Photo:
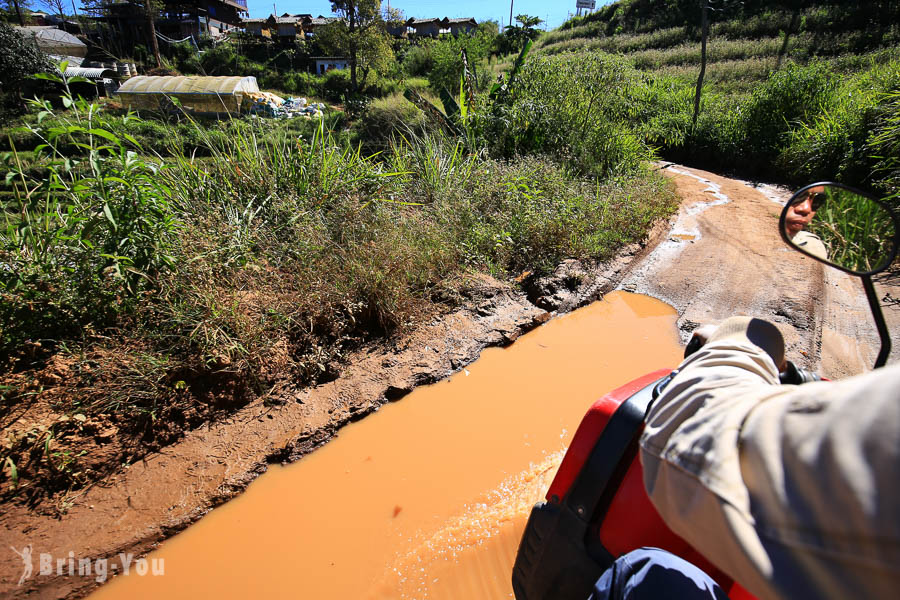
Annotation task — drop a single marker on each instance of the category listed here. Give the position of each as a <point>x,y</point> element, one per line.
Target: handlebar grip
<point>794,375</point>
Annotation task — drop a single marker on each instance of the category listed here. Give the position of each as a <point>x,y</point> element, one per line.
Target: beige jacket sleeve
<point>794,491</point>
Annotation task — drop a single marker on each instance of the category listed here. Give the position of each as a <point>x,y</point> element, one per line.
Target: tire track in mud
<point>724,256</point>
<point>732,261</point>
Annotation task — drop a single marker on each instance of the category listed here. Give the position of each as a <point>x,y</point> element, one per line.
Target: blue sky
<point>554,13</point>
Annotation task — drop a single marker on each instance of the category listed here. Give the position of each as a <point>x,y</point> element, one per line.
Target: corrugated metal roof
<point>90,73</point>
<point>415,22</point>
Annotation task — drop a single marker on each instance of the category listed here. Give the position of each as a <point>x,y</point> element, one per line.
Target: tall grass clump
<point>885,145</point>
<point>840,142</point>
<point>86,239</point>
<point>388,118</point>
<point>749,133</point>
<point>592,110</point>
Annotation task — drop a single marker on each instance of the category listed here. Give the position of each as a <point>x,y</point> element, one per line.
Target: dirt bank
<point>720,256</point>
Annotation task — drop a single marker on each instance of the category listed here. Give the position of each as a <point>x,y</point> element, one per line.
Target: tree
<point>57,7</point>
<point>148,9</point>
<point>20,58</point>
<point>151,9</point>
<point>515,36</point>
<point>16,6</point>
<point>359,33</point>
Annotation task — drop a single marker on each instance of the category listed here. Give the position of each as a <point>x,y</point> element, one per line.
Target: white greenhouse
<point>194,93</point>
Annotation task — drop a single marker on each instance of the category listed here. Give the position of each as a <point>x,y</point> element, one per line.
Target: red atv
<point>597,508</point>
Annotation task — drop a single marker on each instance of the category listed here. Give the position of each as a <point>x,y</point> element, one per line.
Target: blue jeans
<point>650,573</point>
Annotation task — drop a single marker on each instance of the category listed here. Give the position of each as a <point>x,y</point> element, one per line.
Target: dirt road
<point>724,256</point>
<point>720,256</point>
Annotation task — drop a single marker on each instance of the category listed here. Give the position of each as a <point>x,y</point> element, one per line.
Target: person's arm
<point>792,491</point>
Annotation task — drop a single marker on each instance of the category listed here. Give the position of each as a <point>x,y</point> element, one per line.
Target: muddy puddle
<point>426,498</point>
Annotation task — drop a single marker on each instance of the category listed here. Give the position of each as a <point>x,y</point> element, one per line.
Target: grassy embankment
<point>148,287</point>
<point>787,96</point>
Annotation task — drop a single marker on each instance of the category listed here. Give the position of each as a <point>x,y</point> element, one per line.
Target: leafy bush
<point>20,58</point>
<point>447,59</point>
<point>418,61</point>
<point>336,85</point>
<point>792,96</point>
<point>592,110</point>
<point>750,133</point>
<point>186,58</point>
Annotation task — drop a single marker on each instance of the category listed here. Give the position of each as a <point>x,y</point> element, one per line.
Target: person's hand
<point>699,338</point>
<point>756,331</point>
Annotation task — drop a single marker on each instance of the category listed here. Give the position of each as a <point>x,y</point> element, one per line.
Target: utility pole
<point>510,12</point>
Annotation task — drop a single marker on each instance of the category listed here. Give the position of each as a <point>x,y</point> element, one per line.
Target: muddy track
<point>720,256</point>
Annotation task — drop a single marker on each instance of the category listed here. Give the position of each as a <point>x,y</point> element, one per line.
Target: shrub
<point>792,96</point>
<point>386,118</point>
<point>592,110</point>
<point>418,61</point>
<point>448,64</point>
<point>336,85</point>
<point>84,241</point>
<point>20,58</point>
<point>186,58</point>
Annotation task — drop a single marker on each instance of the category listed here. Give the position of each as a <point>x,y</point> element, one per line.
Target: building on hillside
<point>462,26</point>
<point>428,27</point>
<point>176,20</point>
<point>323,64</point>
<point>398,29</point>
<point>288,26</point>
<point>36,19</point>
<point>258,27</point>
<point>316,23</point>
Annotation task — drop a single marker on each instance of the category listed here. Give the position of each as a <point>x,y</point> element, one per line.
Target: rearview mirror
<point>842,227</point>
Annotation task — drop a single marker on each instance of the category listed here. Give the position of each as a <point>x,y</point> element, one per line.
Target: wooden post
<point>705,24</point>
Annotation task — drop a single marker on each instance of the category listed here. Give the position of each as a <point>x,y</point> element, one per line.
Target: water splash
<point>472,554</point>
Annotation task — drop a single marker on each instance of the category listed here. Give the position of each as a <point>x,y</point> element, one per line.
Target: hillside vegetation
<point>793,90</point>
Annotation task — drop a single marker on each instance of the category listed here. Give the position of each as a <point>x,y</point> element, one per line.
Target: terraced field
<point>741,52</point>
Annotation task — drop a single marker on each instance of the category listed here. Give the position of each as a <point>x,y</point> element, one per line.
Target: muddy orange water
<point>428,497</point>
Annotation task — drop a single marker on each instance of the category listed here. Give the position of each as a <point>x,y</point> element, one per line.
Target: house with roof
<point>176,19</point>
<point>462,26</point>
<point>428,27</point>
<point>317,23</point>
<point>287,27</point>
<point>323,64</point>
<point>258,27</point>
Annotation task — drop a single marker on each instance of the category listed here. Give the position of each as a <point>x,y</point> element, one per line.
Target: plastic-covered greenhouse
<point>195,93</point>
<point>55,41</point>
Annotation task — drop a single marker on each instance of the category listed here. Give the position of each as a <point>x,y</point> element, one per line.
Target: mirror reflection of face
<point>801,212</point>
<point>841,227</point>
